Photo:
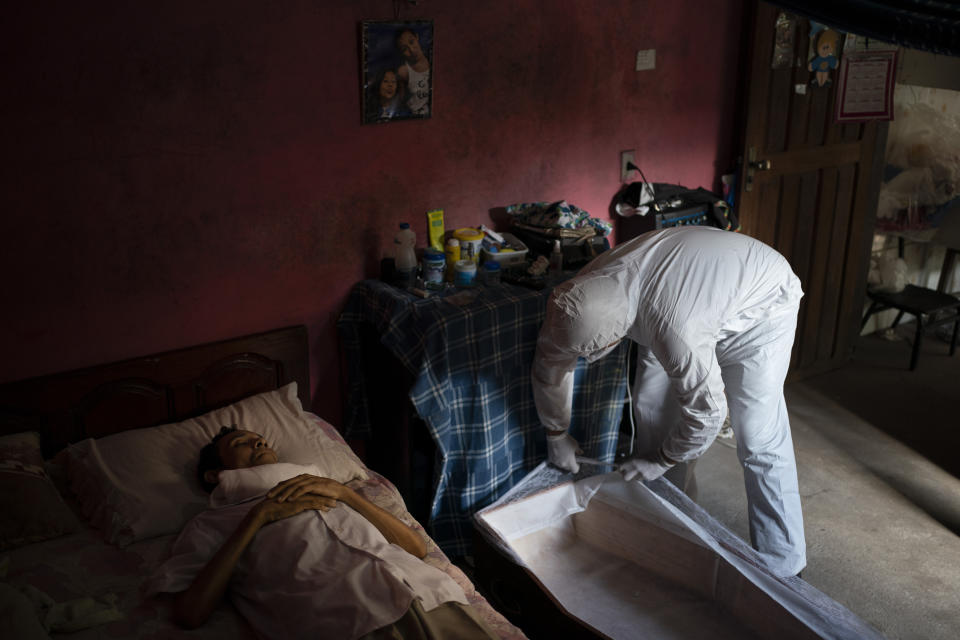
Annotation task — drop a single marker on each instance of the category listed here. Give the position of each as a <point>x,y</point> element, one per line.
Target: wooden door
<point>816,203</point>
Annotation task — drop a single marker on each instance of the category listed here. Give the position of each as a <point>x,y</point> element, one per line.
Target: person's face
<point>388,86</point>
<point>409,46</point>
<point>242,449</point>
<point>826,47</point>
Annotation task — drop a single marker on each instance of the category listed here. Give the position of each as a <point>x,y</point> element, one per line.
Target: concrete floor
<point>881,519</point>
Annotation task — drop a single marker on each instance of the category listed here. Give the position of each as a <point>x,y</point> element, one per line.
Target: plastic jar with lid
<point>491,272</point>
<point>470,242</point>
<point>433,268</point>
<point>464,273</point>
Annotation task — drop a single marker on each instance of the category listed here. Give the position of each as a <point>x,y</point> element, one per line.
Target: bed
<point>96,479</point>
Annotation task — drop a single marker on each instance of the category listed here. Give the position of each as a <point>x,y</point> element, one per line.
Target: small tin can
<point>433,267</point>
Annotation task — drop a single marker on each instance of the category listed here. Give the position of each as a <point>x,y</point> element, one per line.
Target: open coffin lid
<point>636,561</point>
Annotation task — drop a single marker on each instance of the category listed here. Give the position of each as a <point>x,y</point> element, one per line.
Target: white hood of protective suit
<point>677,291</point>
<point>588,316</point>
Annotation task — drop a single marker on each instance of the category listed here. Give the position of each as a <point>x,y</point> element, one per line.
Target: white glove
<point>562,452</point>
<point>646,469</point>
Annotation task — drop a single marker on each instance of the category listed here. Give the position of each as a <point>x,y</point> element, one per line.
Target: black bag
<point>676,205</point>
<point>579,246</point>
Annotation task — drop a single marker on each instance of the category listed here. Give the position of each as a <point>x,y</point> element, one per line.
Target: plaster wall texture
<point>180,172</point>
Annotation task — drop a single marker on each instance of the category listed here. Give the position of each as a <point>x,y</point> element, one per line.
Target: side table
<point>467,359</point>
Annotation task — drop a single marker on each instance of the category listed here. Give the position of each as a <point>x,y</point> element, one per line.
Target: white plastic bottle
<point>556,258</point>
<point>405,258</point>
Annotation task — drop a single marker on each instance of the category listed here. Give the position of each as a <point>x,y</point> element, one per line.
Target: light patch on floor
<point>871,509</point>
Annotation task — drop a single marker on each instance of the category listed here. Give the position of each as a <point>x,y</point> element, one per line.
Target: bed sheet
<point>82,565</point>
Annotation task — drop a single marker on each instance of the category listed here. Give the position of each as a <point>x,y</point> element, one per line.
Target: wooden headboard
<point>156,389</point>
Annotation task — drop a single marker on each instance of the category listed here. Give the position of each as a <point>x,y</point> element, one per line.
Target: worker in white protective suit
<point>713,314</point>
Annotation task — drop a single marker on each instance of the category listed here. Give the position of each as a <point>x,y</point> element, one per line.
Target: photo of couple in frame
<point>396,67</point>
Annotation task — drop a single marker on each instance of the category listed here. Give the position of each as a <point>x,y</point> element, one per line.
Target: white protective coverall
<point>713,314</point>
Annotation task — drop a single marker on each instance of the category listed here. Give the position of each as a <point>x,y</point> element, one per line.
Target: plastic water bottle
<point>404,255</point>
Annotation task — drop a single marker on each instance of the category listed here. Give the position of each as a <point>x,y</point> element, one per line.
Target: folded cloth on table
<point>560,214</point>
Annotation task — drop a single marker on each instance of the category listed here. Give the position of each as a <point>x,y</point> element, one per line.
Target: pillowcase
<point>30,503</point>
<point>143,483</point>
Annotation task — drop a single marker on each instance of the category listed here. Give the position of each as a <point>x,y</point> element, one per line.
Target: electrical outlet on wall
<point>646,59</point>
<point>625,157</point>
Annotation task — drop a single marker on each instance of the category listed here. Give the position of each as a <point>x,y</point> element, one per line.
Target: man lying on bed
<point>304,556</point>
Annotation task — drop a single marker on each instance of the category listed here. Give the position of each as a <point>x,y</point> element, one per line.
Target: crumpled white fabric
<point>888,273</point>
<point>646,469</point>
<point>239,485</point>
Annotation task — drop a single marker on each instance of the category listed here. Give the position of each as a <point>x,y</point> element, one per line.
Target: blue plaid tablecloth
<point>470,355</point>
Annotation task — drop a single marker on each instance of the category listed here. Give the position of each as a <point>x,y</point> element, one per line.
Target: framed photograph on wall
<point>397,59</point>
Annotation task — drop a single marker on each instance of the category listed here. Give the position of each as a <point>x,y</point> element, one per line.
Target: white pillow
<point>143,483</point>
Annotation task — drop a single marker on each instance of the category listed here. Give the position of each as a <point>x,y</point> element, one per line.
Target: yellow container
<point>453,255</point>
<point>471,240</point>
<point>435,229</point>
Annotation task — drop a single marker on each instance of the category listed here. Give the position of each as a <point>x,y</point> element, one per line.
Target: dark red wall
<point>178,172</point>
